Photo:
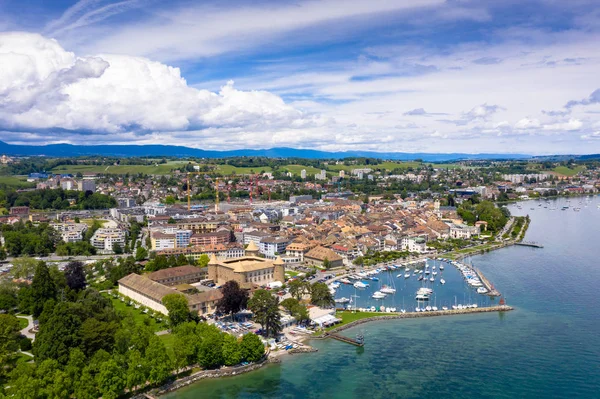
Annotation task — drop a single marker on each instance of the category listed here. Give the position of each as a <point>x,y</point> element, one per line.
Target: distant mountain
<point>68,150</point>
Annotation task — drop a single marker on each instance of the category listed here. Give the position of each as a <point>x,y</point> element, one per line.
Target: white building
<point>463,231</point>
<point>414,244</point>
<point>86,185</point>
<point>271,247</point>
<point>303,173</point>
<point>70,232</point>
<point>105,238</point>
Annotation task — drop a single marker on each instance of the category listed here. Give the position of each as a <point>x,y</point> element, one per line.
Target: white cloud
<point>42,86</point>
<point>571,125</point>
<point>591,136</point>
<point>527,123</point>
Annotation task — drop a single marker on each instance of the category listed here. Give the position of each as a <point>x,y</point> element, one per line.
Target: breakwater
<point>222,372</point>
<point>414,315</point>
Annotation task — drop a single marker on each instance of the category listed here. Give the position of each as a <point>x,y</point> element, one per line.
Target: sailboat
<point>442,281</point>
<point>402,310</point>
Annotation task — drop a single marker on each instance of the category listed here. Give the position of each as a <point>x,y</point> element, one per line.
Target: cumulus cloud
<point>482,112</point>
<point>42,86</point>
<point>591,136</point>
<point>527,123</point>
<point>571,125</point>
<point>593,98</point>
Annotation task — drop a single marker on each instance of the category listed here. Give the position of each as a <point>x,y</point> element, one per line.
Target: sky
<point>472,76</point>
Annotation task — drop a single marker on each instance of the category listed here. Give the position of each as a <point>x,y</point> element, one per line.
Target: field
<point>16,181</point>
<point>138,315</point>
<point>23,322</point>
<point>157,169</point>
<point>565,171</point>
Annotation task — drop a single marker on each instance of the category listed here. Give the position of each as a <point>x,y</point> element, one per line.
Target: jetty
<point>413,315</point>
<point>359,341</point>
<point>529,244</point>
<point>487,284</point>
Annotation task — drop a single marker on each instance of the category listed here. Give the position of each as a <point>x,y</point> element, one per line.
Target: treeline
<point>55,199</point>
<point>29,239</point>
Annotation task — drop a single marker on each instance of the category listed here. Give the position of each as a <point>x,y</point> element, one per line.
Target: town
<point>247,252</point>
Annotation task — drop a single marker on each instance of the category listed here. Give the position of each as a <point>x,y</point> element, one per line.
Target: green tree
<point>298,288</point>
<point>177,305</point>
<point>326,263</point>
<point>290,304</point>
<point>232,352</point>
<point>43,288</point>
<point>265,307</point>
<point>210,346</point>
<point>320,295</point>
<point>117,248</point>
<point>140,254</point>
<point>185,347</point>
<point>23,267</point>
<point>158,361</point>
<point>111,380</point>
<point>252,348</point>
<point>137,370</point>
<point>203,260</point>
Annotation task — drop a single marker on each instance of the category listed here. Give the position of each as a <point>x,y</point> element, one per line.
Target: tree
<point>23,267</point>
<point>251,348</point>
<point>326,263</point>
<point>8,296</point>
<point>290,304</point>
<point>137,370</point>
<point>185,348</point>
<point>266,311</point>
<point>117,249</point>
<point>75,275</point>
<point>9,334</point>
<point>3,253</point>
<point>298,288</point>
<point>203,260</point>
<point>157,360</point>
<point>140,254</point>
<point>111,380</point>
<point>232,353</point>
<point>234,298</point>
<point>42,287</point>
<point>177,305</point>
<point>320,295</point>
<point>210,346</point>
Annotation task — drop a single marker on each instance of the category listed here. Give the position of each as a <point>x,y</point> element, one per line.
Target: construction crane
<point>189,196</point>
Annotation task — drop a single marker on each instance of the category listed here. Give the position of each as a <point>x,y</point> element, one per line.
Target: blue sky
<point>404,75</point>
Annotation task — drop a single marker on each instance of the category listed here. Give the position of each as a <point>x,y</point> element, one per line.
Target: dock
<point>529,244</point>
<point>486,283</point>
<point>356,342</point>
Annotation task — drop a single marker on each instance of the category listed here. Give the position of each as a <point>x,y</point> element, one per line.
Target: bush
<point>24,343</point>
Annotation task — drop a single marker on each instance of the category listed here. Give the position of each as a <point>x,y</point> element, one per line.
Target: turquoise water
<point>549,347</point>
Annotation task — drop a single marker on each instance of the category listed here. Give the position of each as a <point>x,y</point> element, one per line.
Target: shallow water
<point>549,347</point>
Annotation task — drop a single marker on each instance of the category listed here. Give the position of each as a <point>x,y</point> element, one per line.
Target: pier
<point>348,340</point>
<point>414,315</point>
<point>529,244</point>
<point>488,286</point>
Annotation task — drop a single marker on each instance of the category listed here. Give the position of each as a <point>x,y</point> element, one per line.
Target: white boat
<point>335,285</point>
<point>434,308</point>
<point>441,267</point>
<point>428,308</point>
<point>378,295</point>
<point>482,290</point>
<point>360,284</point>
<point>444,307</point>
<point>422,297</point>
<point>388,290</point>
<point>342,300</point>
<point>345,281</point>
<point>442,281</point>
<point>434,273</point>
<point>432,279</point>
<point>406,275</point>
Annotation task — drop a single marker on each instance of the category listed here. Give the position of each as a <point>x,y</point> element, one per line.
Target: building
<point>70,232</point>
<point>294,199</point>
<point>303,173</point>
<point>182,238</point>
<point>19,210</point>
<point>414,244</point>
<point>463,231</point>
<point>67,184</point>
<point>317,256</point>
<point>162,241</point>
<point>245,270</point>
<point>104,239</point>
<point>87,185</point>
<point>218,237</point>
<point>178,275</point>
<point>273,246</point>
<point>149,293</point>
<point>126,202</point>
<point>297,251</point>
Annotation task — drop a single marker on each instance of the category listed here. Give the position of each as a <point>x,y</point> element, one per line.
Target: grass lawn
<point>169,341</point>
<point>230,170</point>
<point>565,171</point>
<point>138,315</point>
<point>23,358</point>
<point>89,222</point>
<point>23,322</point>
<point>349,317</point>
